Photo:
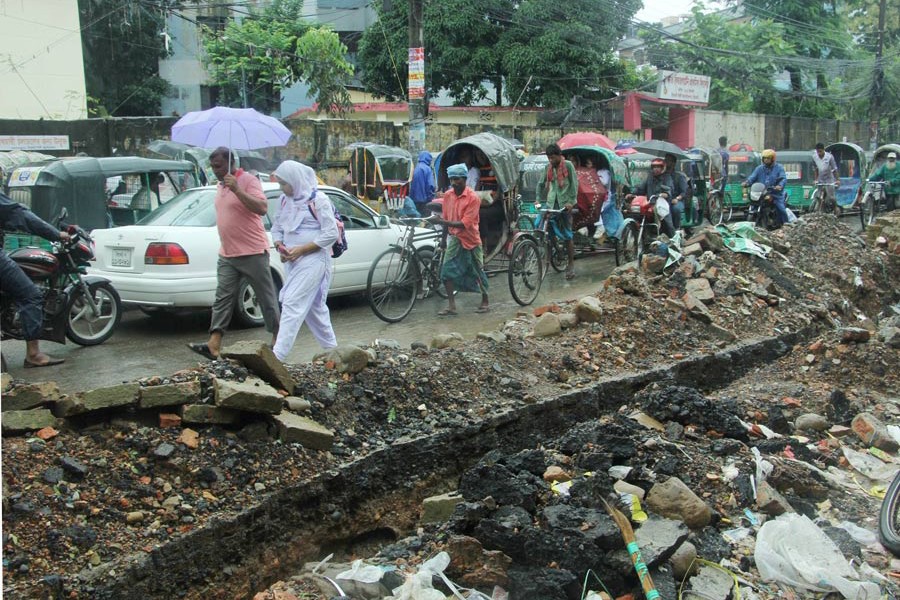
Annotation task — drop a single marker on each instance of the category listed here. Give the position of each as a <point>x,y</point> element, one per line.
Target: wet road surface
<point>145,346</point>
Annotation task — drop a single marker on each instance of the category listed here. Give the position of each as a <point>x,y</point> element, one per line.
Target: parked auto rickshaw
<point>377,170</point>
<point>740,167</point>
<point>702,167</point>
<point>852,170</point>
<point>801,181</point>
<point>99,193</point>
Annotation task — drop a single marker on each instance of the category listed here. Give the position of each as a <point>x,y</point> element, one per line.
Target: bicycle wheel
<point>714,208</point>
<point>865,207</point>
<point>393,285</point>
<point>431,260</point>
<point>525,272</point>
<point>629,243</point>
<point>559,253</point>
<point>889,519</point>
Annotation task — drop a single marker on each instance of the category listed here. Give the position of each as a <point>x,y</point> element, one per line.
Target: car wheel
<point>247,309</point>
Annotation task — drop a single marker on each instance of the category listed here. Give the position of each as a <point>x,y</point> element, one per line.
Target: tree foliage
<point>122,45</point>
<point>539,52</point>
<point>272,50</point>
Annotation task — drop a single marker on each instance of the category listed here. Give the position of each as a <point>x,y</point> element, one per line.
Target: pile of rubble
<point>212,441</point>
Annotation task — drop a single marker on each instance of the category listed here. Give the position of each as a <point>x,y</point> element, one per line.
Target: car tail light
<point>162,253</point>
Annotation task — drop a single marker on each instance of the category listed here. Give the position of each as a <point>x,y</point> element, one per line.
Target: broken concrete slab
<point>30,395</point>
<point>711,583</point>
<point>250,395</point>
<point>658,539</point>
<point>18,421</point>
<point>770,501</point>
<point>700,289</point>
<point>696,308</point>
<point>110,397</point>
<point>259,358</point>
<point>295,429</point>
<point>439,508</point>
<point>209,415</point>
<point>169,394</point>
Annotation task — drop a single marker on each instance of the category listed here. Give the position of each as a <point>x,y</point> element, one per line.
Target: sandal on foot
<point>483,309</point>
<point>203,350</point>
<point>446,313</point>
<point>50,362</point>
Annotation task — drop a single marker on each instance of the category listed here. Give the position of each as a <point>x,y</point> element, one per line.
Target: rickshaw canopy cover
<point>617,165</point>
<point>499,151</point>
<point>585,138</point>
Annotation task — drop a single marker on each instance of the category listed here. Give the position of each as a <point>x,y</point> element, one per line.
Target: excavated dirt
<point>80,503</point>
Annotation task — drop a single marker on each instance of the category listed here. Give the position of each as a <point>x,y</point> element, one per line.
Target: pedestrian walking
<point>244,252</point>
<point>304,231</point>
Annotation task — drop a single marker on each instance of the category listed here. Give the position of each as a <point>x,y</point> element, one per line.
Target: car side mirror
<point>384,221</point>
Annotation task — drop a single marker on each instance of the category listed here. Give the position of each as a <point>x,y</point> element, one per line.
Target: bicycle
<point>407,271</point>
<point>719,207</point>
<point>889,517</point>
<point>821,202</point>
<point>874,200</point>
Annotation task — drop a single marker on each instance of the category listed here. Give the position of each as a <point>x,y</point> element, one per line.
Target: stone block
<point>167,420</point>
<point>17,421</point>
<point>5,382</point>
<point>547,325</point>
<point>439,508</point>
<point>447,340</point>
<point>700,289</point>
<point>770,501</point>
<point>696,308</point>
<point>294,429</point>
<point>297,405</point>
<point>110,397</point>
<point>873,432</point>
<point>568,320</point>
<point>589,310</point>
<point>27,396</point>
<point>692,250</point>
<point>351,359</point>
<point>674,500</point>
<point>170,394</point>
<point>251,395</point>
<point>67,406</point>
<point>259,358</point>
<point>855,334</point>
<point>653,264</point>
<point>209,415</point>
<point>890,336</point>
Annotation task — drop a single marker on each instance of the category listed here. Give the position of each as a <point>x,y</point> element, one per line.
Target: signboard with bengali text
<point>416,82</point>
<point>683,86</point>
<point>34,142</point>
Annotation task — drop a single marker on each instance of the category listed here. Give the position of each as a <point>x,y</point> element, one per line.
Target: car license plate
<point>121,257</point>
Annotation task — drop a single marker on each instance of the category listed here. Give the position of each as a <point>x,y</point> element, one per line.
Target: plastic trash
<point>868,465</point>
<point>361,572</point>
<point>793,550</point>
<point>792,216</point>
<point>418,585</point>
<point>662,208</point>
<point>860,534</point>
<point>733,536</point>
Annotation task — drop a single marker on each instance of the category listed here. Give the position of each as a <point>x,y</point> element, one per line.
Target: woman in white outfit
<point>304,231</point>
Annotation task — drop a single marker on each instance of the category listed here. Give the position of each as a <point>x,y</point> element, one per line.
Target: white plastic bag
<point>793,550</point>
<point>790,214</point>
<point>361,572</point>
<point>418,585</point>
<point>662,207</point>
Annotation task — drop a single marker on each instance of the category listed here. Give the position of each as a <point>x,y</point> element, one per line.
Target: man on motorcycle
<point>658,183</point>
<point>680,190</point>
<point>772,175</point>
<point>14,281</point>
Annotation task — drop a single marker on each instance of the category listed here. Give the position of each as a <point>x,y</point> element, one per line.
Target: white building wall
<point>183,68</point>
<point>709,125</point>
<point>41,65</point>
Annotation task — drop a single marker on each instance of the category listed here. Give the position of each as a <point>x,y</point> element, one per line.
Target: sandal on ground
<point>203,350</point>
<point>50,362</point>
<point>446,313</point>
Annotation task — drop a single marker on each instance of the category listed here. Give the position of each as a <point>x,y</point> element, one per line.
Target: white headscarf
<point>301,178</point>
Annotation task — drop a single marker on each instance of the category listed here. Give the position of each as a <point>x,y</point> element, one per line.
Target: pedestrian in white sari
<point>304,231</point>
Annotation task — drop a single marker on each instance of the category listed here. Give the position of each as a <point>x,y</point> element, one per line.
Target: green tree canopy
<point>563,49</point>
<point>272,50</point>
<point>122,45</point>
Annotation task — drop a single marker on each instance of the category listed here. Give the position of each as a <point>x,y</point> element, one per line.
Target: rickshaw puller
<point>560,191</point>
<point>889,173</point>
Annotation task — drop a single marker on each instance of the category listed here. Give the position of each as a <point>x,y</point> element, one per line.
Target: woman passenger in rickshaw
<point>591,194</point>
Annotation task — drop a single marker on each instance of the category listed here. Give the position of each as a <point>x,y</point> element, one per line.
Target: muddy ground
<point>84,498</point>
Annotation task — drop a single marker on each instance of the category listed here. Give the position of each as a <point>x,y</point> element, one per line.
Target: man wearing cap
<point>826,171</point>
<point>772,175</point>
<point>463,268</point>
<point>890,174</point>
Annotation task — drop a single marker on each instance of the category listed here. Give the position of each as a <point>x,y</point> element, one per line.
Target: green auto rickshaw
<point>97,193</point>
<point>740,167</point>
<point>801,180</point>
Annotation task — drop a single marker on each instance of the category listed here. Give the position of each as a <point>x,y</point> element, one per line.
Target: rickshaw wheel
<point>628,245</point>
<point>525,271</point>
<point>714,208</point>
<point>559,254</point>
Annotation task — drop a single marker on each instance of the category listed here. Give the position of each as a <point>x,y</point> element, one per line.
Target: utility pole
<point>416,80</point>
<point>877,81</point>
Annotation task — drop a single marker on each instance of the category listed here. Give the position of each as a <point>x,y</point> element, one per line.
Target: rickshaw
<point>506,247</point>
<point>591,195</point>
<point>740,167</point>
<point>801,182</point>
<point>379,172</point>
<point>99,193</point>
<point>874,198</point>
<point>638,166</point>
<point>852,168</point>
<point>702,168</point>
<point>532,170</point>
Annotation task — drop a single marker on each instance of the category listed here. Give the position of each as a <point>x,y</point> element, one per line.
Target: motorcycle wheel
<point>82,326</point>
<point>629,244</point>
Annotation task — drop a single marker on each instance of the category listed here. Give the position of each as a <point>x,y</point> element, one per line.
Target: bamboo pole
<point>650,591</point>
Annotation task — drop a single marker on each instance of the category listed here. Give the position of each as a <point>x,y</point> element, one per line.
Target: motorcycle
<point>84,308</point>
<point>762,210</point>
<point>642,224</point>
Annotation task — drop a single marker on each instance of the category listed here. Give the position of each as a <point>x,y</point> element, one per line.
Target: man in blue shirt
<point>421,190</point>
<point>723,152</point>
<point>772,175</point>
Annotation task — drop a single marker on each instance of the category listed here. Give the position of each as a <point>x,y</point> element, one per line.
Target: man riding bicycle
<point>826,172</point>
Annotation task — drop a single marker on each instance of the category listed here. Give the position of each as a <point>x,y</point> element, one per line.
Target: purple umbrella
<point>238,128</point>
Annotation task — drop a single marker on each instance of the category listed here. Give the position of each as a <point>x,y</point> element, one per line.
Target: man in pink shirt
<point>463,268</point>
<point>244,254</point>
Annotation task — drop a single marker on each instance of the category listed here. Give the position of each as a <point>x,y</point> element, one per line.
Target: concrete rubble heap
<point>710,401</point>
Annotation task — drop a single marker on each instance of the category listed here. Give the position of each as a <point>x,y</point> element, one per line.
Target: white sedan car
<point>168,259</point>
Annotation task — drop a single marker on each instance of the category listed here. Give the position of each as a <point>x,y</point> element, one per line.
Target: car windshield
<point>193,208</point>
